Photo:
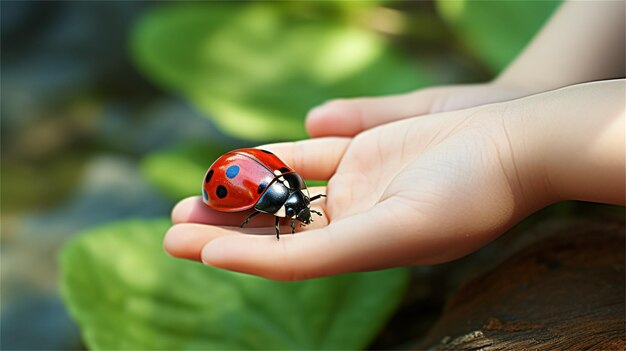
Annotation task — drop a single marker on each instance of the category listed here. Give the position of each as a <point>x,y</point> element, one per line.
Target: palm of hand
<point>416,179</point>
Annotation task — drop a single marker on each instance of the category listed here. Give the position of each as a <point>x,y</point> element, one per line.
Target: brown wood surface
<point>562,288</point>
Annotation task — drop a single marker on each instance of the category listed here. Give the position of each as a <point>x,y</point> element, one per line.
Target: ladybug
<point>253,178</point>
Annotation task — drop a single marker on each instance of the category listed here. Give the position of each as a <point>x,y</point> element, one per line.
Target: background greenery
<point>111,112</point>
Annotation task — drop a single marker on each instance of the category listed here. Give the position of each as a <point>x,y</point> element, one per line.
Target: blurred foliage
<point>258,68</point>
<point>495,31</point>
<point>173,173</point>
<point>38,194</point>
<point>178,172</point>
<point>126,293</point>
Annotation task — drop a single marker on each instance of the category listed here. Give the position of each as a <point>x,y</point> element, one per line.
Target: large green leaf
<point>256,68</point>
<point>126,293</point>
<point>496,31</point>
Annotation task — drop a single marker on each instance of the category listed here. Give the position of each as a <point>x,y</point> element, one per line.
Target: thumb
<point>348,117</point>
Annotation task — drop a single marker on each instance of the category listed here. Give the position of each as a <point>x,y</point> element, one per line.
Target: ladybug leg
<point>277,228</point>
<point>248,219</point>
<point>293,226</point>
<point>317,197</point>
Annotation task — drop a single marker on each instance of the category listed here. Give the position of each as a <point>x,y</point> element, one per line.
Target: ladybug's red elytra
<point>253,178</point>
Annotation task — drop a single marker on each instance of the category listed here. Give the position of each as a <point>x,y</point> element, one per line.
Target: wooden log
<point>564,290</point>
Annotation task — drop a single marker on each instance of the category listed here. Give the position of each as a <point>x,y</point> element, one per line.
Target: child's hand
<point>348,117</point>
<point>549,62</point>
<point>427,189</point>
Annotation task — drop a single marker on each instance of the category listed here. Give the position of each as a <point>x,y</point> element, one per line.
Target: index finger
<point>315,159</point>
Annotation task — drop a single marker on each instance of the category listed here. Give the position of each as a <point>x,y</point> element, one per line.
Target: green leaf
<point>496,31</point>
<point>257,68</point>
<point>126,293</point>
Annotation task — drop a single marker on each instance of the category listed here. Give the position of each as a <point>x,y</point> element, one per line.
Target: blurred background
<point>112,111</point>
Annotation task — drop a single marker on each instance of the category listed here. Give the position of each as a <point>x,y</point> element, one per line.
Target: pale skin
<point>433,175</point>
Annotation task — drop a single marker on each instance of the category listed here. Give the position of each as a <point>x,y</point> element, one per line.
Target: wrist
<point>520,155</point>
<point>574,139</point>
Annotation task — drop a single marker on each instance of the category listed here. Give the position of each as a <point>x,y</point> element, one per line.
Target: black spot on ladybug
<point>232,171</point>
<point>267,152</point>
<point>221,191</point>
<point>208,176</point>
<point>205,196</point>
<point>262,187</point>
<point>284,170</point>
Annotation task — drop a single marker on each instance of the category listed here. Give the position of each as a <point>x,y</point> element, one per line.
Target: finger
<point>187,240</point>
<point>348,117</point>
<point>372,240</point>
<point>313,158</point>
<point>193,210</point>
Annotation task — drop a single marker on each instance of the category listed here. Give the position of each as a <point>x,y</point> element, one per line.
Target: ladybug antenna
<point>317,213</point>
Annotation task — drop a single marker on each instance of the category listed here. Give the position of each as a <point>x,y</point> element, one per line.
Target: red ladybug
<point>255,178</point>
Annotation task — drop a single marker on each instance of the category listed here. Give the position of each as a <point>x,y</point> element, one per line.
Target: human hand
<point>348,117</point>
<point>425,190</point>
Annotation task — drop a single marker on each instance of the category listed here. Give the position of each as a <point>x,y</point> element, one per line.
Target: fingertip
<point>333,118</point>
<point>210,256</point>
<point>188,240</point>
<point>175,243</point>
<point>243,255</point>
<point>184,208</point>
<point>221,253</point>
<point>314,122</point>
<point>348,117</point>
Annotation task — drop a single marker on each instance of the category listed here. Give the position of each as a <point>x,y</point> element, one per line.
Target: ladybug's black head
<point>304,216</point>
<point>297,206</point>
